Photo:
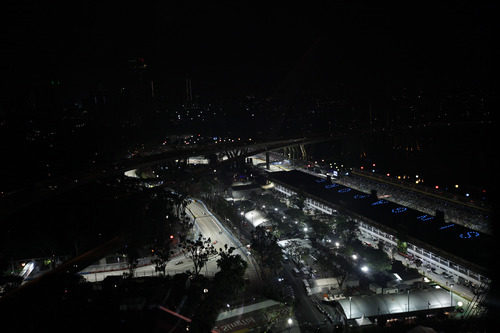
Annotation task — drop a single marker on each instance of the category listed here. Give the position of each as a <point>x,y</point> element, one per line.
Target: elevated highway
<point>24,197</point>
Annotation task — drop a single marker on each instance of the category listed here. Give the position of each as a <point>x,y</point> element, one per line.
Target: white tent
<point>326,283</point>
<point>363,321</point>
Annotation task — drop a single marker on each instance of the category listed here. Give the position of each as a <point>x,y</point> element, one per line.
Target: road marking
<point>201,216</point>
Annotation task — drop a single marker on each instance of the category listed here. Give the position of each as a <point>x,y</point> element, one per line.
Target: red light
<point>484,191</point>
<point>437,187</point>
<point>373,164</point>
<point>171,236</point>
<point>362,167</point>
<point>388,175</point>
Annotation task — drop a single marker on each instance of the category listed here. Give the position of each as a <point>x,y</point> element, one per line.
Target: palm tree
<point>180,202</point>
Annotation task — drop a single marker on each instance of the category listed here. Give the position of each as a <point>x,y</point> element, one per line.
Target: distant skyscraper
<point>189,92</point>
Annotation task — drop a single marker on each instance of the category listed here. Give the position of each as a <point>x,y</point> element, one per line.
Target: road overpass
<point>24,197</point>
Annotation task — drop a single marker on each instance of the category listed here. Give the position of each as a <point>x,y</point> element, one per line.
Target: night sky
<point>254,46</point>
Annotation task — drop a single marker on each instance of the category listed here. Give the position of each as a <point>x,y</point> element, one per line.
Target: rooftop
<point>251,317</point>
<point>454,239</point>
<point>395,303</point>
<point>404,272</point>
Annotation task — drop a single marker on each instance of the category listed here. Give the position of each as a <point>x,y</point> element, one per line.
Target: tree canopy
<point>232,270</point>
<point>266,246</point>
<point>199,251</point>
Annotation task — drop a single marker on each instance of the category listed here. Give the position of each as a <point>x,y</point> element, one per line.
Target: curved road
<point>210,227</point>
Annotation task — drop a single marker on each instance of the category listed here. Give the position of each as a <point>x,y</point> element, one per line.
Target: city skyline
<point>302,167</point>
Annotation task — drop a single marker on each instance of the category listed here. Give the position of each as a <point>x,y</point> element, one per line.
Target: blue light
<point>470,234</point>
<point>447,226</point>
<point>398,210</point>
<point>425,217</point>
<point>380,202</point>
<point>344,190</point>
<point>360,196</point>
<point>319,180</point>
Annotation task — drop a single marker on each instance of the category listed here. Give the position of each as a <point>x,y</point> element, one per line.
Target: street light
<point>364,269</point>
<point>408,300</point>
<point>350,298</point>
<point>290,322</point>
<point>451,295</point>
<point>354,257</point>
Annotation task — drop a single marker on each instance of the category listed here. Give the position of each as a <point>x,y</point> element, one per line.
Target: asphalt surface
<point>210,227</point>
<point>306,311</point>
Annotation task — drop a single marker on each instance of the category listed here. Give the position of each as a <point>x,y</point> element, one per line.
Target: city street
<point>305,309</point>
